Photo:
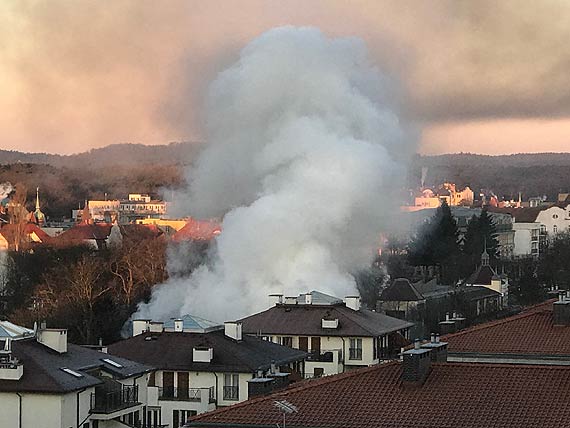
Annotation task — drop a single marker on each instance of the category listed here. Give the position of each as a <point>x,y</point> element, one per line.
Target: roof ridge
<point>489,324</point>
<point>306,384</point>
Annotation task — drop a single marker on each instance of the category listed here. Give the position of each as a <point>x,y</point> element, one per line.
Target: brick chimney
<point>561,310</point>
<point>447,326</point>
<point>438,349</point>
<point>416,365</point>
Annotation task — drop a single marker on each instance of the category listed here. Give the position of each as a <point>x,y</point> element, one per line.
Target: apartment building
<point>339,335</point>
<point>46,382</point>
<point>202,365</point>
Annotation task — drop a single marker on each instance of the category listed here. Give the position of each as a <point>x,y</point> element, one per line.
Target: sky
<point>477,76</point>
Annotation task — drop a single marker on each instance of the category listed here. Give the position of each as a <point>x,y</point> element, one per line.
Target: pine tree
<point>436,244</point>
<point>481,234</point>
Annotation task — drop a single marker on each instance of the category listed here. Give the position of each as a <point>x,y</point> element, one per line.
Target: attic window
<point>112,363</point>
<point>71,372</point>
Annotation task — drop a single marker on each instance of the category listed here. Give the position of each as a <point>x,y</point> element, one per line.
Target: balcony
<point>231,393</point>
<point>187,394</point>
<point>325,356</point>
<point>105,401</point>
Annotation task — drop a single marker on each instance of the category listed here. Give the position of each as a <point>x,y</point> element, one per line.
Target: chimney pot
<point>417,344</point>
<point>433,338</point>
<point>447,316</point>
<point>437,338</point>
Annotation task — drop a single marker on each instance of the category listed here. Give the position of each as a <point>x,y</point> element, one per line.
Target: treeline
<point>112,155</point>
<point>531,174</point>
<point>91,293</point>
<point>63,189</point>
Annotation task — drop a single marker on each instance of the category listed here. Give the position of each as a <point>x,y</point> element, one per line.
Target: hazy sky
<point>480,75</point>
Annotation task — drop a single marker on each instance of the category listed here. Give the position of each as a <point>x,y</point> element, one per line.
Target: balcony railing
<point>324,356</point>
<point>110,401</point>
<point>186,394</point>
<point>231,393</point>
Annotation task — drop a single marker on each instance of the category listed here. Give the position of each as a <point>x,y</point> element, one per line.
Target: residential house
<point>198,230</point>
<point>44,381</point>
<point>94,235</point>
<point>426,304</point>
<point>555,219</point>
<point>421,391</point>
<point>340,335</point>
<point>485,276</point>
<point>22,237</point>
<point>202,365</point>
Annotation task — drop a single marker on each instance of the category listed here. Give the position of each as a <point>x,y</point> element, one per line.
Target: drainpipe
<point>20,410</point>
<point>216,376</point>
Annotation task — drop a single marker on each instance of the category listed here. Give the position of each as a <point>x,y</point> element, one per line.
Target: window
<point>180,417</point>
<point>555,229</point>
<point>231,387</point>
<point>355,350</point>
<point>71,372</point>
<point>287,341</point>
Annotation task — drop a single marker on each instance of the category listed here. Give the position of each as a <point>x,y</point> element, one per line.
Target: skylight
<point>71,372</point>
<point>112,363</point>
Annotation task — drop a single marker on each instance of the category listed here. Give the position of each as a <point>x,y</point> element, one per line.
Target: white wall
<point>523,237</point>
<point>555,216</point>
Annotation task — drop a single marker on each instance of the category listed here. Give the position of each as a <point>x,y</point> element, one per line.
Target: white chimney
<point>178,325</point>
<point>53,338</point>
<point>275,299</point>
<point>352,302</point>
<point>232,329</point>
<point>155,327</point>
<point>140,326</point>
<point>308,299</point>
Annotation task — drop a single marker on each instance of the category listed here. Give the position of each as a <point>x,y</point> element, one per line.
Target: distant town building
<point>432,198</point>
<point>136,207</point>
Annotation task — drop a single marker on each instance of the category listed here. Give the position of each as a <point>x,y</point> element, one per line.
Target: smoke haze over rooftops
<point>305,143</point>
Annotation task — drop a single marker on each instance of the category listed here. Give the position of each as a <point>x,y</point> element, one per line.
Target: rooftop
<point>43,368</point>
<point>531,332</point>
<point>401,290</point>
<point>306,320</point>
<point>454,395</point>
<point>174,350</point>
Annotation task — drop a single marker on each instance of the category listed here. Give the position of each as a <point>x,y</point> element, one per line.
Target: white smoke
<point>5,190</point>
<point>305,144</point>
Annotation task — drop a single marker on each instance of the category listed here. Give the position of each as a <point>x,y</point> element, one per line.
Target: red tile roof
<point>198,230</point>
<point>8,231</point>
<point>140,231</point>
<point>531,332</point>
<point>82,232</point>
<point>454,395</point>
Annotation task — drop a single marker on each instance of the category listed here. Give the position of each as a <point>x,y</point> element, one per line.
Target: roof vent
<point>178,325</point>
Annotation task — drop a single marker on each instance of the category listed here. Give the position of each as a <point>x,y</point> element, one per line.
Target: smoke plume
<point>5,189</point>
<point>305,144</point>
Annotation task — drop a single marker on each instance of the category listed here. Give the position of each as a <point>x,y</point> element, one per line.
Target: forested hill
<point>113,155</point>
<point>532,174</point>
